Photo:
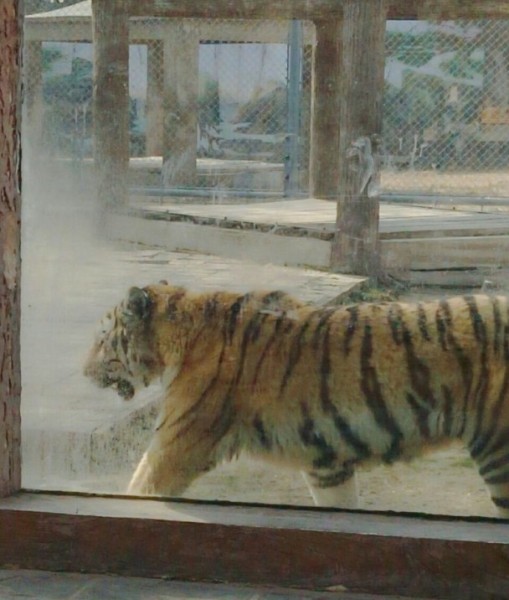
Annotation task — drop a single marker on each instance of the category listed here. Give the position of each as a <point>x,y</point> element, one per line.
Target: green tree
<point>208,104</point>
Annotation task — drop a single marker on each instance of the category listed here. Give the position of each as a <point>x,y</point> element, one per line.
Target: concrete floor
<point>43,585</point>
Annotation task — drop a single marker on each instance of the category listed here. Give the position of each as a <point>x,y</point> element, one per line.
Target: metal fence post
<point>295,41</point>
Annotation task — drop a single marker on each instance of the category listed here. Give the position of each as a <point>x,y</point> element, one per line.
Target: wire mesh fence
<point>243,115</point>
<point>446,109</point>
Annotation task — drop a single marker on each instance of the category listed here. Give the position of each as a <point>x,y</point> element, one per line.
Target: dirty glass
<point>217,196</point>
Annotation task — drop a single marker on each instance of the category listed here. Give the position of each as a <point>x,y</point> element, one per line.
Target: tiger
<point>320,390</point>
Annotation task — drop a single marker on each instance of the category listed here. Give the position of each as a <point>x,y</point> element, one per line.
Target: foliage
<point>50,56</point>
<point>208,103</point>
<point>72,88</point>
<point>414,50</point>
<point>463,65</point>
<point>266,113</point>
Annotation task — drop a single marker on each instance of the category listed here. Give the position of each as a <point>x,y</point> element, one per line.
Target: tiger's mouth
<point>125,389</point>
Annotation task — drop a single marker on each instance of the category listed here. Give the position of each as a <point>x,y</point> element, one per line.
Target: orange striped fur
<point>317,389</point>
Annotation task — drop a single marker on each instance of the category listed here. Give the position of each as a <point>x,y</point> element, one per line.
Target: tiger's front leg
<point>167,470</point>
<point>335,489</point>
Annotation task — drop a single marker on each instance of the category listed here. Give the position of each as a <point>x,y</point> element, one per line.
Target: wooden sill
<point>309,549</point>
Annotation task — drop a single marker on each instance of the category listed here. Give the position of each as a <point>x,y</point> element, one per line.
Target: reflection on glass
<point>256,374</point>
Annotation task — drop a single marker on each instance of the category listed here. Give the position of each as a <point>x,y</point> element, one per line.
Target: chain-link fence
<point>446,111</point>
<point>239,114</point>
<point>242,115</point>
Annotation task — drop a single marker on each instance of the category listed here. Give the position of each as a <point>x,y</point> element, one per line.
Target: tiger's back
<point>322,390</point>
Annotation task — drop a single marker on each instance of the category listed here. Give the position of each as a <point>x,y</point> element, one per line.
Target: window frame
<point>315,549</point>
<point>319,549</point>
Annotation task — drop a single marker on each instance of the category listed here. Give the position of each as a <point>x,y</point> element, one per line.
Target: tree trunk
<point>10,262</point>
<point>111,100</point>
<point>356,243</point>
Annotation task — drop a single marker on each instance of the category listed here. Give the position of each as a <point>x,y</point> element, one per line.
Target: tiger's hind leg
<point>494,469</point>
<point>334,490</point>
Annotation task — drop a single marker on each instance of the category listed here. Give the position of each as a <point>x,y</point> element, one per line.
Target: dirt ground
<point>445,482</point>
<point>442,183</point>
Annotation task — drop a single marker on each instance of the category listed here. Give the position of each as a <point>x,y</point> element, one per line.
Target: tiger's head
<point>123,356</point>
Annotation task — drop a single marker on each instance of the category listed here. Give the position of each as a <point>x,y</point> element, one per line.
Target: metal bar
<point>291,181</point>
<point>206,193</point>
<point>419,198</point>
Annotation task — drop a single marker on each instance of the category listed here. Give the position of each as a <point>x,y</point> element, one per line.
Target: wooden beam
<point>181,49</point>
<point>10,262</point>
<point>318,9</point>
<point>448,9</point>
<point>355,248</point>
<point>325,109</point>
<point>111,100</point>
<point>305,549</point>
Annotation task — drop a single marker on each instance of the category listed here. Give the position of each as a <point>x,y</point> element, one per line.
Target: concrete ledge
<point>457,260</point>
<point>251,245</point>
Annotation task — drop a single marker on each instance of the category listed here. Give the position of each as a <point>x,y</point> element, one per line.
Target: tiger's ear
<point>139,304</point>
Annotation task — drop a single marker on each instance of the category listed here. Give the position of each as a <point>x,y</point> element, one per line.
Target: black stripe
<point>270,342</point>
<point>351,327</point>
<point>124,342</point>
<point>251,334</point>
<point>443,322</point>
<point>395,318</point>
<point>500,502</point>
<point>336,478</point>
<point>497,325</point>
<point>447,411</point>
<point>418,371</point>
<point>114,343</point>
<point>310,437</point>
<point>506,342</point>
<point>422,322</point>
<point>464,362</point>
<point>233,315</point>
<point>483,443</point>
<point>226,415</point>
<point>320,326</point>
<point>489,442</point>
<point>360,448</point>
<point>210,308</point>
<point>480,393</point>
<point>478,324</point>
<point>295,352</point>
<point>494,464</point>
<point>325,368</point>
<point>189,412</point>
<point>261,433</point>
<point>421,414</point>
<point>222,423</point>
<point>374,398</point>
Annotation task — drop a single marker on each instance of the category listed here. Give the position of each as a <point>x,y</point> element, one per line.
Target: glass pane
<point>199,177</point>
